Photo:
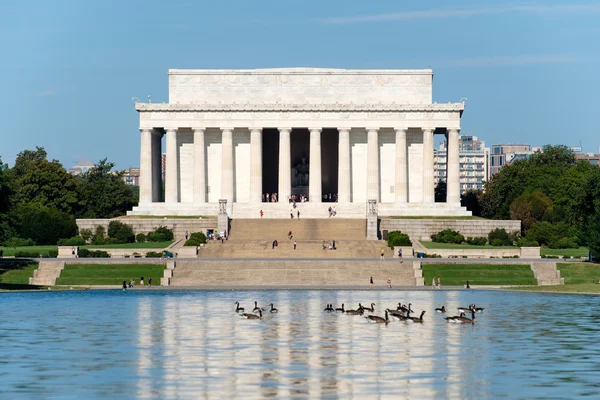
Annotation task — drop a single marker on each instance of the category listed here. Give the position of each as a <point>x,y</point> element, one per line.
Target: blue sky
<point>70,68</point>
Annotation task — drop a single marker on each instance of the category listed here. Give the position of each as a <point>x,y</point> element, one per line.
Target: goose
<point>415,319</point>
<point>404,309</point>
<point>465,309</point>
<point>238,309</point>
<point>378,320</point>
<point>328,308</point>
<point>341,309</point>
<point>359,311</point>
<point>253,316</point>
<point>464,320</point>
<point>273,309</point>
<point>397,314</point>
<point>454,318</point>
<point>477,309</point>
<point>371,309</point>
<point>442,309</point>
<point>257,308</point>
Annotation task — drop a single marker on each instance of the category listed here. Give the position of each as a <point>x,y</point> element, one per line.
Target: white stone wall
<point>358,165</point>
<point>414,143</point>
<point>212,140</point>
<point>387,162</point>
<point>241,165</point>
<point>300,86</point>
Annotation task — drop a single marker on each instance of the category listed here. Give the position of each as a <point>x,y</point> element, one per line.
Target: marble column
<point>199,166</point>
<point>172,168</point>
<point>146,166</point>
<point>157,181</point>
<point>314,168</point>
<point>255,165</point>
<point>227,166</point>
<point>344,182</point>
<point>373,164</point>
<point>285,165</point>
<point>428,182</point>
<point>453,168</point>
<point>401,177</point>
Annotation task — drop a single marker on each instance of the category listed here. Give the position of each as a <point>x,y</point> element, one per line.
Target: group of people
<point>332,211</point>
<point>330,198</point>
<point>300,199</point>
<point>329,245</point>
<point>269,197</point>
<point>439,283</point>
<point>132,283</point>
<point>389,282</point>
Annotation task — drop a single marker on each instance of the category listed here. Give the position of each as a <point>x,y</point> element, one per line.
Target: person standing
<point>371,282</point>
<point>186,235</point>
<point>439,283</point>
<point>382,254</point>
<point>267,197</point>
<point>389,283</point>
<point>142,281</point>
<point>294,245</point>
<point>298,214</point>
<point>291,214</point>
<point>433,282</point>
<point>124,285</point>
<point>400,254</point>
<point>261,213</point>
<point>149,281</point>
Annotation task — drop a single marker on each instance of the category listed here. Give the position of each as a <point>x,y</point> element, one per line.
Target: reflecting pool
<point>191,344</point>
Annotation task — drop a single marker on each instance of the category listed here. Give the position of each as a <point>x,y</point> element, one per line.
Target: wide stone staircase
<point>310,273</point>
<point>302,229</point>
<point>547,274</point>
<point>47,273</point>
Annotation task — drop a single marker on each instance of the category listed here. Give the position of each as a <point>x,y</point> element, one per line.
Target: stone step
<point>47,273</point>
<point>546,273</point>
<point>304,229</point>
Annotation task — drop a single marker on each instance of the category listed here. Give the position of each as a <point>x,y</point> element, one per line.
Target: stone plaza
<point>237,137</point>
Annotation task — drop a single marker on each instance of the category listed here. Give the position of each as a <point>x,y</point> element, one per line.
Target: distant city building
<point>502,154</point>
<point>473,158</point>
<point>131,176</point>
<point>83,166</point>
<point>594,159</point>
<point>576,149</point>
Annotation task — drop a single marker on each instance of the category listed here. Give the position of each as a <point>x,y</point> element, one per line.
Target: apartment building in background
<point>473,159</point>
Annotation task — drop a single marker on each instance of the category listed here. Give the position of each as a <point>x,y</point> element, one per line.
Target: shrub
<point>86,234</point>
<point>120,232</point>
<point>51,254</point>
<point>18,242</point>
<point>524,242</point>
<point>85,253</point>
<point>448,236</point>
<point>564,243</point>
<point>192,242</point>
<point>397,238</point>
<point>44,225</point>
<point>74,241</point>
<point>160,234</point>
<point>99,237</point>
<point>153,254</point>
<point>199,236</point>
<point>478,241</point>
<point>140,238</point>
<point>425,255</point>
<point>499,237</point>
<point>27,254</point>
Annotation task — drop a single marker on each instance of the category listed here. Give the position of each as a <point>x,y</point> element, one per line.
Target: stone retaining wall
<point>145,225</point>
<point>422,229</point>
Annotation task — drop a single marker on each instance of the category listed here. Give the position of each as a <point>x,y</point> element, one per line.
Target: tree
<point>44,225</point>
<point>440,192</point>
<point>530,208</point>
<point>104,193</point>
<point>6,193</point>
<point>593,234</point>
<point>471,200</point>
<point>45,183</point>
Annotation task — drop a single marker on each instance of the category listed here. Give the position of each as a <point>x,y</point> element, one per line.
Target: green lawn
<point>577,288</point>
<point>580,252</point>
<point>579,273</point>
<point>479,274</point>
<point>10,251</point>
<point>109,274</point>
<point>432,217</point>
<point>435,245</point>
<point>15,275</point>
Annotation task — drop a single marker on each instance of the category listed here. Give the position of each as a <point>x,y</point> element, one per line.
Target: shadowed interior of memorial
<point>270,160</point>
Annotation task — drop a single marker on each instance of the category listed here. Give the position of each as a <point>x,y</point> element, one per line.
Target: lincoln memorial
<point>242,141</point>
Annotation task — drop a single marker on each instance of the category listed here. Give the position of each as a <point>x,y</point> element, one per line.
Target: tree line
<point>556,197</point>
<point>40,200</point>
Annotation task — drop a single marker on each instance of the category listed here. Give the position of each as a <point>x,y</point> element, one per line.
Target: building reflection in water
<point>193,345</point>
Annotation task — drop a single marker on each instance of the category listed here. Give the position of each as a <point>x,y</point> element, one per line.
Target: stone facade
<point>422,229</point>
<point>383,122</point>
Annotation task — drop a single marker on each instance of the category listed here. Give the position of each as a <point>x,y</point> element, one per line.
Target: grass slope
<point>15,275</point>
<point>579,273</point>
<point>10,251</point>
<point>109,274</point>
<point>479,274</point>
<point>580,252</point>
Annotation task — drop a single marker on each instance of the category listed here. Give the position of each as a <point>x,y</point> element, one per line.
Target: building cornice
<point>233,107</point>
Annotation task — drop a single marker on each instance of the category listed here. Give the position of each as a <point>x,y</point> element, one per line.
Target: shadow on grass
<point>15,274</point>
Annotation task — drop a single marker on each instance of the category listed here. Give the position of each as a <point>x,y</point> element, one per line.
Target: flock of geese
<point>401,313</point>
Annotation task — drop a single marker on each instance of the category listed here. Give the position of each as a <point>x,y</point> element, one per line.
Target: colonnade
<point>150,165</point>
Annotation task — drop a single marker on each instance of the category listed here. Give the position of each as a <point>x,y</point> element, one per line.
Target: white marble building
<point>236,134</point>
